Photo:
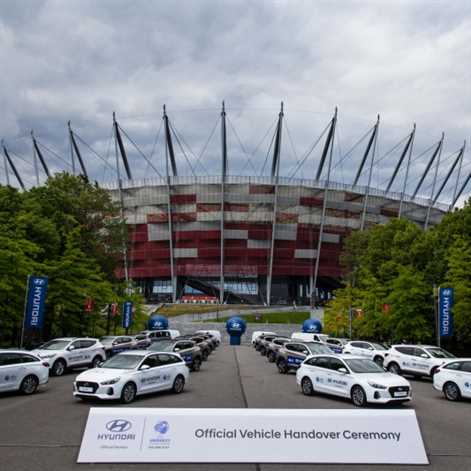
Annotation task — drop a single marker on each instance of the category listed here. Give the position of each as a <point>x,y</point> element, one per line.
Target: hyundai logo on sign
<point>118,425</point>
<point>35,301</point>
<point>162,427</point>
<point>445,303</point>
<point>127,314</point>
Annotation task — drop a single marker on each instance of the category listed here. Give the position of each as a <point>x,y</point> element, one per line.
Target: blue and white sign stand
<point>35,299</point>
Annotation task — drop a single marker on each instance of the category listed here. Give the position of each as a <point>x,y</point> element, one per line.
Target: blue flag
<point>127,314</point>
<point>35,300</point>
<point>445,307</point>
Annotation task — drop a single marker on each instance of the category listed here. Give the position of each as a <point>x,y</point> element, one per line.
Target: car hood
<point>45,353</point>
<point>386,379</point>
<point>101,374</point>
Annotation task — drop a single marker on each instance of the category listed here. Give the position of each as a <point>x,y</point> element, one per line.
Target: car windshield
<point>55,345</point>
<point>439,353</point>
<point>162,346</point>
<point>123,362</point>
<point>363,366</point>
<point>317,348</point>
<point>107,340</point>
<point>378,346</point>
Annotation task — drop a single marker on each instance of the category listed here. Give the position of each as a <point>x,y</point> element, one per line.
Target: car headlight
<point>376,385</point>
<point>110,381</point>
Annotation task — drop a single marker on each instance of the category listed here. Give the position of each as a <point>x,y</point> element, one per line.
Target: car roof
<point>340,357</point>
<point>14,350</point>
<point>414,345</point>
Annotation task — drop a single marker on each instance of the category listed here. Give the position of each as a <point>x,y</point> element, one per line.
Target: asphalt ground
<point>43,432</point>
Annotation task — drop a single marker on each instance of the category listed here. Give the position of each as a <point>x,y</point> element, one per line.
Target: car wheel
<point>196,365</point>
<point>178,384</point>
<point>263,351</point>
<point>29,385</point>
<point>96,361</point>
<point>204,355</point>
<point>433,371</point>
<point>271,357</point>
<point>358,396</point>
<point>282,366</point>
<point>451,391</point>
<point>128,393</point>
<point>379,360</point>
<point>394,368</point>
<point>307,387</point>
<point>58,368</point>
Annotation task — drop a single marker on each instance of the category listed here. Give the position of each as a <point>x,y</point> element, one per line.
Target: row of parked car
<point>304,352</point>
<point>26,370</point>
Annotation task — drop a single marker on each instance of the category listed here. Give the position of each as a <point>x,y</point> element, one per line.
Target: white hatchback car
<point>70,352</point>
<point>454,379</point>
<point>372,350</point>
<point>417,360</point>
<point>22,371</point>
<point>133,373</point>
<point>354,377</point>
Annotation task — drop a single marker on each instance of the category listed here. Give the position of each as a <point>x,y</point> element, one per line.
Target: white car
<point>22,371</point>
<point>309,337</point>
<point>258,333</point>
<point>417,360</point>
<point>68,352</point>
<point>454,379</point>
<point>372,350</point>
<point>166,334</point>
<point>354,377</point>
<point>215,333</point>
<point>133,373</point>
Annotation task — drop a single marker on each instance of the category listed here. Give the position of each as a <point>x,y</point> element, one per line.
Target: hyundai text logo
<point>118,425</point>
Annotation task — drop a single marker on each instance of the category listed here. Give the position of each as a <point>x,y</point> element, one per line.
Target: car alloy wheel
<point>394,368</point>
<point>379,360</point>
<point>196,364</point>
<point>58,369</point>
<point>282,367</point>
<point>307,387</point>
<point>358,396</point>
<point>271,357</point>
<point>128,393</point>
<point>451,391</point>
<point>96,361</point>
<point>29,384</point>
<point>178,384</point>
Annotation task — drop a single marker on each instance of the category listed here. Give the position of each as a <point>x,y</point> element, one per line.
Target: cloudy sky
<point>81,60</point>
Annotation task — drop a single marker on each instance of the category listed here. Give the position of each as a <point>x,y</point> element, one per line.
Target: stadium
<point>260,239</point>
<point>257,239</point>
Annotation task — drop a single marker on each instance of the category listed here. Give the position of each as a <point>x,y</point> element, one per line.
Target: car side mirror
<point>424,355</point>
<point>343,371</point>
<point>144,367</point>
<point>69,349</point>
<point>177,349</point>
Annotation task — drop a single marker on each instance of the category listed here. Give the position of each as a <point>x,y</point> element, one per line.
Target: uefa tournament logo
<point>161,439</point>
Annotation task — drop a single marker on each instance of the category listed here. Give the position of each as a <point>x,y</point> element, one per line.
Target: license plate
<point>400,394</point>
<point>85,389</point>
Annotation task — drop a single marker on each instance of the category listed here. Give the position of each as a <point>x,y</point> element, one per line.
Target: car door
<point>406,359</point>
<point>150,378</point>
<point>167,369</point>
<point>422,361</point>
<point>339,383</point>
<point>11,371</point>
<point>294,355</point>
<point>184,349</point>
<point>364,349</point>
<point>74,354</point>
<point>465,379</point>
<point>319,372</point>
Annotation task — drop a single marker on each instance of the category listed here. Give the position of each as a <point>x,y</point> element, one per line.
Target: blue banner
<point>445,307</point>
<point>35,299</point>
<point>127,314</point>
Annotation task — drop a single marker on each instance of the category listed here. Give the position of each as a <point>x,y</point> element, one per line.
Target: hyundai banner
<point>445,306</point>
<point>35,300</point>
<point>177,435</point>
<point>127,314</point>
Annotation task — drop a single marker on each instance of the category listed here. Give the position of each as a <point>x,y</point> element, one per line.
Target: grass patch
<point>284,317</point>
<point>180,309</point>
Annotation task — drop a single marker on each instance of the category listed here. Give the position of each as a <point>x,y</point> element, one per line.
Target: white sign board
<point>132,435</point>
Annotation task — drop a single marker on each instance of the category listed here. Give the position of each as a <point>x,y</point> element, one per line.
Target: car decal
<point>414,364</point>
<point>150,380</point>
<point>337,382</point>
<point>294,360</point>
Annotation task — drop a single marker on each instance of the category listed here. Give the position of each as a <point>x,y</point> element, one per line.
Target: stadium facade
<point>271,240</point>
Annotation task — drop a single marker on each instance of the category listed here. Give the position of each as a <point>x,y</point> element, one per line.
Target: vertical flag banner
<point>127,314</point>
<point>445,307</point>
<point>35,300</point>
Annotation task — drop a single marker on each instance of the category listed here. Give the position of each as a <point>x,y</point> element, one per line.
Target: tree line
<point>391,276</point>
<point>70,231</point>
